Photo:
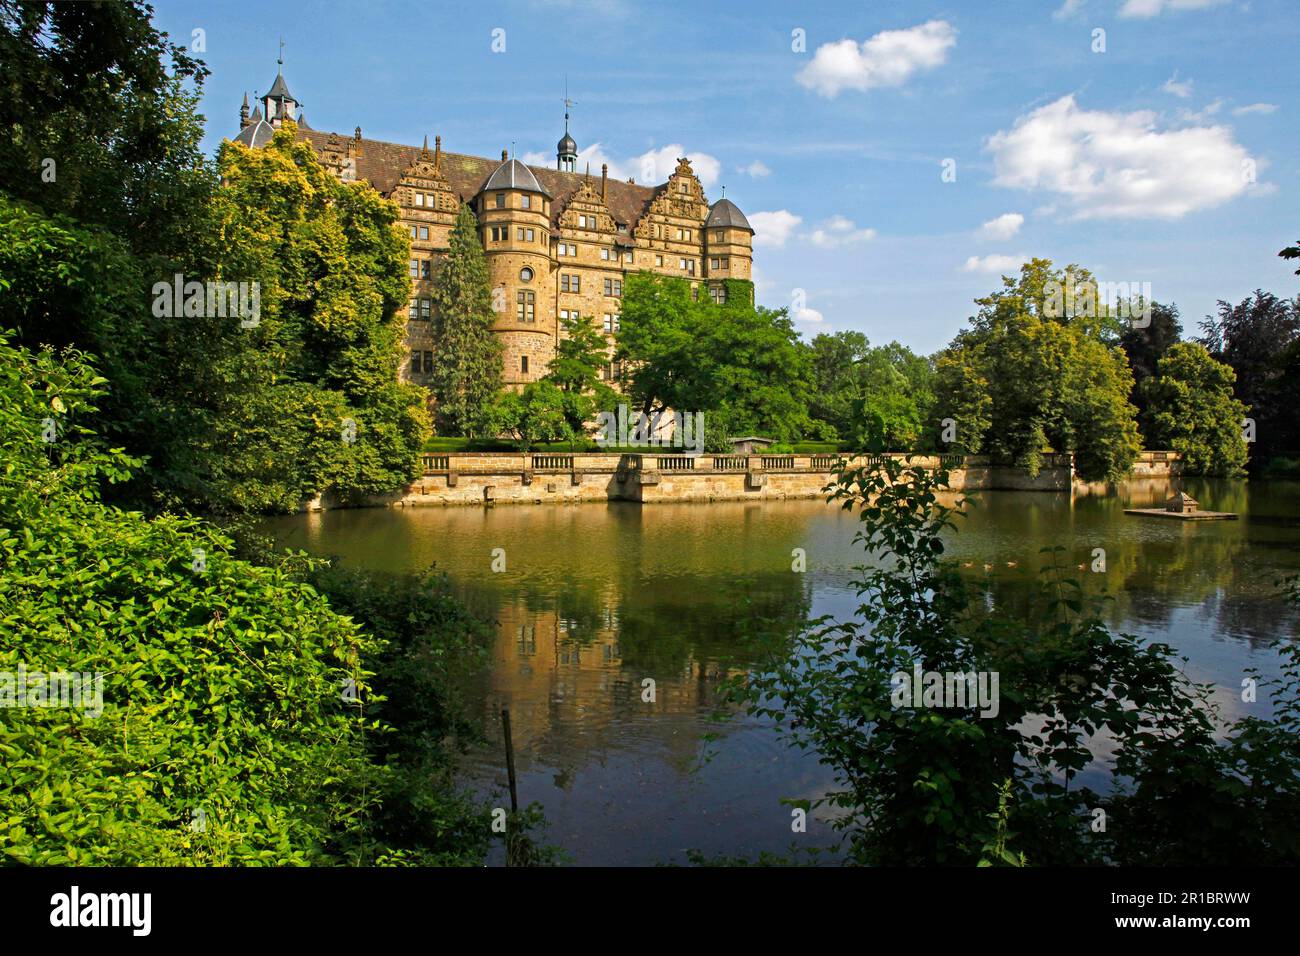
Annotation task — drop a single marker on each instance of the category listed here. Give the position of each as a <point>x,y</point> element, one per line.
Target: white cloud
<point>1144,9</point>
<point>1067,9</point>
<point>1119,165</point>
<point>808,315</point>
<point>887,59</point>
<point>1181,90</point>
<point>1261,108</point>
<point>773,228</point>
<point>1003,227</point>
<point>994,263</point>
<point>757,169</point>
<point>650,168</point>
<point>838,231</point>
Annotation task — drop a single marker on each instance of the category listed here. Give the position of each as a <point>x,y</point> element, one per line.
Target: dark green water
<point>596,598</point>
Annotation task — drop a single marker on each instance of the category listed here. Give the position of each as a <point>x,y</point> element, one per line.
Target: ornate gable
<point>587,202</point>
<point>425,176</point>
<point>682,197</point>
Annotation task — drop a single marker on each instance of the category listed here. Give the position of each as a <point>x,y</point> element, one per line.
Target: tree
<point>743,362</point>
<point>1146,345</point>
<point>467,367</point>
<point>575,371</point>
<point>1253,337</point>
<point>1191,409</point>
<point>1047,379</point>
<point>537,414</point>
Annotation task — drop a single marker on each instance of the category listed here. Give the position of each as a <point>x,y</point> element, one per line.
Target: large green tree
<point>467,368</point>
<point>575,371</point>
<point>1191,409</point>
<point>1046,379</point>
<point>744,363</point>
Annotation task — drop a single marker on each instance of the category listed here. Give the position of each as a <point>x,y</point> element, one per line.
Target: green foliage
<point>575,371</point>
<point>1191,409</point>
<point>537,414</point>
<point>221,686</point>
<point>467,371</point>
<point>1023,381</point>
<point>744,363</point>
<point>876,398</point>
<point>1145,346</point>
<point>960,783</point>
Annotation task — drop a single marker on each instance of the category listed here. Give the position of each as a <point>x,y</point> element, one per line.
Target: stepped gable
<point>383,164</point>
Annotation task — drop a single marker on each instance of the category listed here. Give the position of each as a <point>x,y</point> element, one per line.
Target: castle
<point>559,244</point>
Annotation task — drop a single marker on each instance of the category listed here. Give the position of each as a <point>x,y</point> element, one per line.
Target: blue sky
<point>1169,158</point>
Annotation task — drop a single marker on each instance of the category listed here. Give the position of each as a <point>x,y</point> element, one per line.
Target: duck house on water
<point>1183,506</point>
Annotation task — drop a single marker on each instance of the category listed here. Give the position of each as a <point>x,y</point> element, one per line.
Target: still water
<point>595,598</point>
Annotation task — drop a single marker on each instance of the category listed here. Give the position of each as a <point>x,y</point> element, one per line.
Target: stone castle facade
<point>559,243</point>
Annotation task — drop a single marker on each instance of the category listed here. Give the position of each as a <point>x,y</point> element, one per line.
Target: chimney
<point>357,137</point>
<point>604,179</point>
<point>437,152</point>
<point>504,155</point>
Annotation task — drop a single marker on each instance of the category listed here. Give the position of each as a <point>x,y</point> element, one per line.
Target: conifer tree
<point>467,371</point>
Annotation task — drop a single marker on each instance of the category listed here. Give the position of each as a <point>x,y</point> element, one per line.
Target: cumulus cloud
<point>994,263</point>
<point>807,315</point>
<point>1261,108</point>
<point>757,169</point>
<point>1144,9</point>
<point>773,228</point>
<point>1175,88</point>
<point>838,231</point>
<point>652,167</point>
<point>1003,227</point>
<point>1120,165</point>
<point>890,58</point>
<point>1067,9</point>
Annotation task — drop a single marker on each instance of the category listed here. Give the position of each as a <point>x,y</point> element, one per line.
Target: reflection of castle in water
<point>565,678</point>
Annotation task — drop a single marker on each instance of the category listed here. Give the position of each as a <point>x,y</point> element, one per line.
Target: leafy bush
<point>954,783</point>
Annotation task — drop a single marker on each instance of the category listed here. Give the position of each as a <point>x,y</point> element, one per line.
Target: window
<point>614,287</point>
<point>725,263</point>
<point>519,234</point>
<point>524,307</point>
<point>627,257</point>
<point>570,283</point>
<point>681,187</point>
<point>713,263</point>
<point>501,200</point>
<point>412,232</point>
<point>719,234</point>
<point>604,254</point>
<point>419,199</point>
<point>688,235</point>
<point>426,309</point>
<point>525,202</point>
<point>659,260</point>
<point>415,362</point>
<point>719,294</point>
<point>611,322</point>
<point>681,264</point>
<point>413,310</point>
<point>426,268</point>
<point>609,287</point>
<point>567,249</point>
<point>424,232</point>
<point>656,232</point>
<point>523,364</point>
<point>526,274</point>
<point>564,313</point>
<point>415,268</point>
<point>428,362</point>
<point>529,234</point>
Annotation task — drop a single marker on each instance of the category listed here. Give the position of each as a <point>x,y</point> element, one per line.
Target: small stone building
<point>750,445</point>
<point>1182,503</point>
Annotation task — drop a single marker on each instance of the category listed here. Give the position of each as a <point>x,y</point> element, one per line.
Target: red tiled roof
<point>382,164</point>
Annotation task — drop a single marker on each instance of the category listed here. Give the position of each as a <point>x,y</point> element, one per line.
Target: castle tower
<point>566,150</point>
<point>729,246</point>
<point>514,212</point>
<point>278,104</point>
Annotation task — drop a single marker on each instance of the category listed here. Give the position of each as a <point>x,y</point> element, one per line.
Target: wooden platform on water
<point>1183,515</point>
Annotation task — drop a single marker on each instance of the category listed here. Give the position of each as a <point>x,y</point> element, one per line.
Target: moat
<point>595,598</point>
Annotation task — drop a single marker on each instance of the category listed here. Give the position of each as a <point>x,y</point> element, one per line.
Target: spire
<point>437,152</point>
<point>424,150</point>
<point>566,150</point>
<point>243,112</point>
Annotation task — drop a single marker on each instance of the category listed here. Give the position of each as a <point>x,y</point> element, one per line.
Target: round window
<point>526,274</point>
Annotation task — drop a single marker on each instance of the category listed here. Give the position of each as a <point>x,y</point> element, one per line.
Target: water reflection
<point>597,599</point>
